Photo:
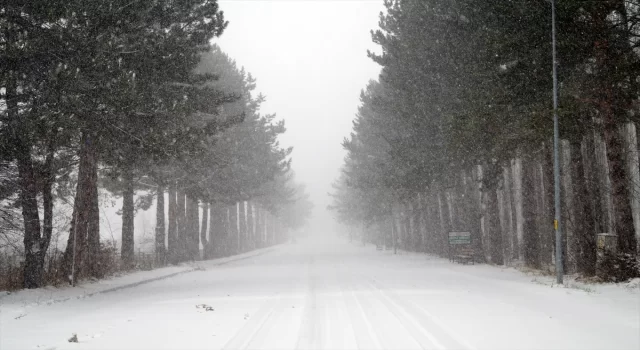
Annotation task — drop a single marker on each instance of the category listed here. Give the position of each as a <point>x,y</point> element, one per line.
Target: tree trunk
<point>225,229</point>
<point>182,226</point>
<point>413,228</point>
<point>417,231</point>
<point>422,220</point>
<point>47,203</point>
<point>633,163</point>
<point>275,229</point>
<point>127,253</point>
<point>264,233</point>
<point>94,259</point>
<point>406,228</point>
<point>518,201</point>
<point>28,198</point>
<point>491,175</point>
<point>436,222</point>
<point>35,253</point>
<point>449,196</point>
<point>568,209</point>
<point>623,213</point>
<point>242,226</point>
<point>483,211</point>
<point>218,231</point>
<point>265,219</point>
<point>393,230</point>
<point>502,220</point>
<point>271,230</point>
<point>603,181</point>
<point>588,152</point>
<point>192,228</point>
<point>547,231</point>
<point>160,227</point>
<point>74,255</point>
<point>204,228</point>
<point>250,227</point>
<point>74,251</point>
<point>195,219</point>
<point>585,227</point>
<point>172,234</point>
<point>259,227</point>
<point>531,244</point>
<point>610,107</point>
<point>267,229</point>
<point>212,242</point>
<point>280,231</point>
<point>493,226</point>
<point>509,212</point>
<point>442,240</point>
<point>478,206</point>
<point>233,229</point>
<point>539,206</point>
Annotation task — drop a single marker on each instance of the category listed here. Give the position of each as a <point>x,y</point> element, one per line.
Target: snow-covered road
<point>314,295</point>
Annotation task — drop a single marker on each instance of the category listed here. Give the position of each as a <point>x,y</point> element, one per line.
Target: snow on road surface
<point>314,295</point>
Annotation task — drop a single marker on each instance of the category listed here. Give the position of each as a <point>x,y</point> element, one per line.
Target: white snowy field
<point>315,295</point>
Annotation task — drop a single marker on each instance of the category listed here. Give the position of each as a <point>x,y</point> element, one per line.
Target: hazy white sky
<point>310,60</point>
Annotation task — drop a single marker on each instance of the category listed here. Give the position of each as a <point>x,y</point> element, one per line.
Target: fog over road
<point>335,295</point>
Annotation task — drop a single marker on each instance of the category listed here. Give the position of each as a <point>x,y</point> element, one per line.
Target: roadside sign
<point>459,237</point>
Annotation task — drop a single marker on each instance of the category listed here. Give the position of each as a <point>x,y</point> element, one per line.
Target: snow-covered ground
<point>331,295</point>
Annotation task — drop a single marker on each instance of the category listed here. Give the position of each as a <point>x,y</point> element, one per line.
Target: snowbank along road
<point>314,295</point>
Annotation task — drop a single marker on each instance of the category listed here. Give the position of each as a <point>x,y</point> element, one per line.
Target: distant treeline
<point>128,96</point>
<point>456,134</point>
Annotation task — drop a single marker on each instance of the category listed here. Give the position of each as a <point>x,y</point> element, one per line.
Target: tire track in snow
<point>365,335</point>
<point>310,328</point>
<point>349,339</point>
<point>416,316</point>
<point>342,321</point>
<point>418,332</point>
<point>247,333</point>
<point>274,319</point>
<point>393,329</point>
<point>339,330</point>
<point>262,326</point>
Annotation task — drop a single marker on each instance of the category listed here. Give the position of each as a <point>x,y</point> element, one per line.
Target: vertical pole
<point>556,159</point>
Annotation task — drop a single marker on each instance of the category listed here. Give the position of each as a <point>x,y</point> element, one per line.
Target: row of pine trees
<point>456,133</point>
<point>132,98</point>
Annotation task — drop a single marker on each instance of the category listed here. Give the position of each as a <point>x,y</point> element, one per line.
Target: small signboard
<point>607,241</point>
<point>600,241</point>
<point>459,237</point>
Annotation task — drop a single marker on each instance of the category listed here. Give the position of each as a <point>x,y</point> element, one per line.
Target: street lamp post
<point>556,159</point>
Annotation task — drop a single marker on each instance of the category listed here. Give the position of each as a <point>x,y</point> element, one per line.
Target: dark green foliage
<point>617,267</point>
<point>113,84</point>
<point>465,88</point>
